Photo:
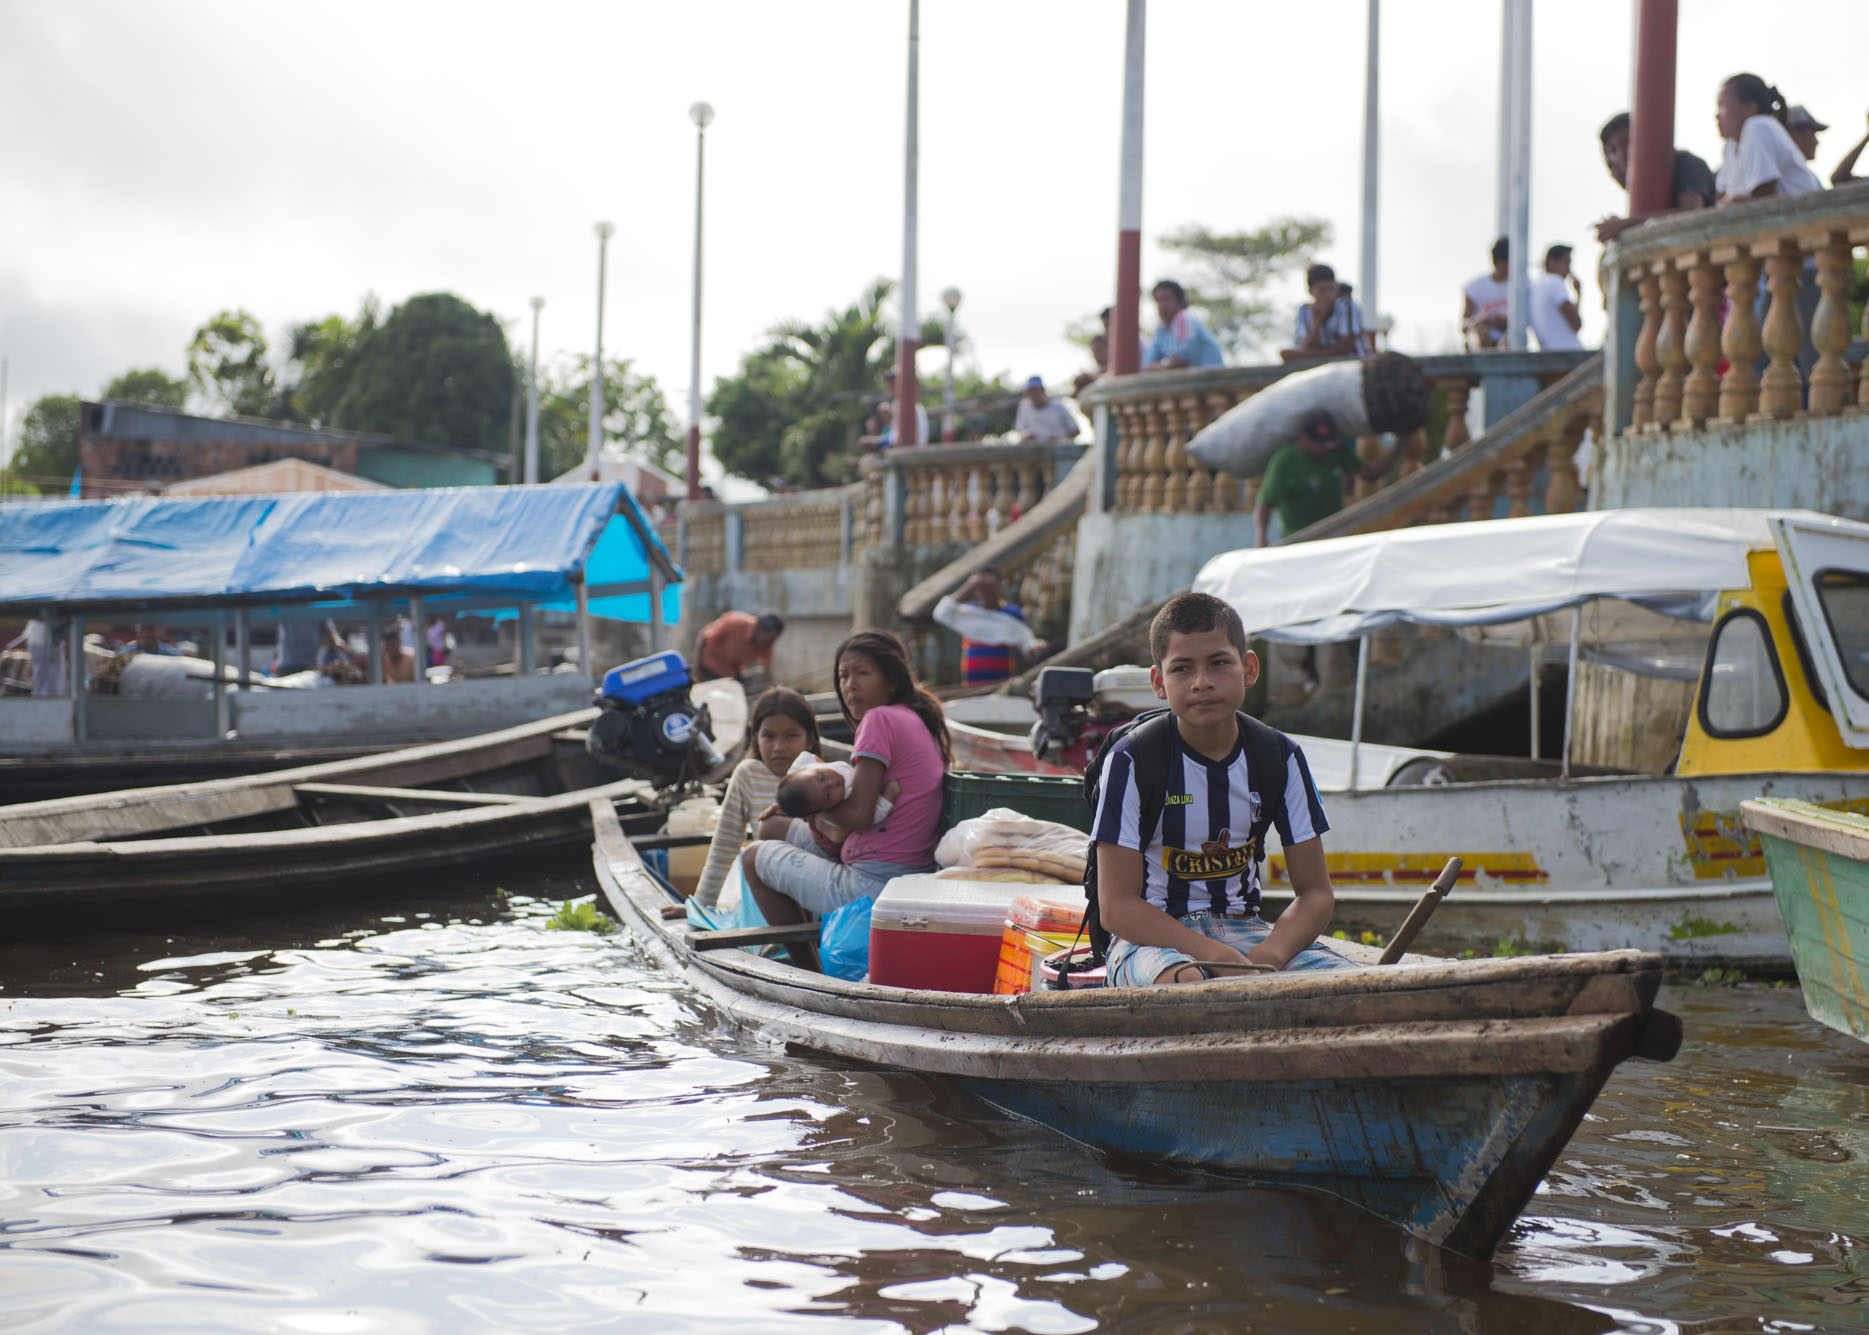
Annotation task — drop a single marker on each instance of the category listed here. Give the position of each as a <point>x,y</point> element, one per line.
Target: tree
<point>47,451</point>
<point>149,385</point>
<point>636,414</point>
<point>1231,269</point>
<point>435,371</point>
<point>751,411</point>
<point>227,364</point>
<point>323,354</point>
<point>797,406</point>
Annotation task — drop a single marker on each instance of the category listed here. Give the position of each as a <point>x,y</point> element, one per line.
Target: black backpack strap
<point>1151,744</point>
<point>1267,771</point>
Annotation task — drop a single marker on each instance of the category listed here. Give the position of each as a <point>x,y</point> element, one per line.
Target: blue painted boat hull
<point>1443,1158</point>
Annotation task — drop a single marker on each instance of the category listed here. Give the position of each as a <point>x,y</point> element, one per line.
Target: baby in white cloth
<point>812,787</point>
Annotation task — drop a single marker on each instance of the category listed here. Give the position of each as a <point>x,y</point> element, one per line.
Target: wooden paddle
<point>1423,910</point>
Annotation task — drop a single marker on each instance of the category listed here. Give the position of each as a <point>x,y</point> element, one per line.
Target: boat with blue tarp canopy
<point>528,559</point>
<point>334,553</point>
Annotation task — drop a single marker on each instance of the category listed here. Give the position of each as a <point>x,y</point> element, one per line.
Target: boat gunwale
<point>132,813</point>
<point>422,754</point>
<point>383,829</point>
<point>1842,833</point>
<point>1618,984</point>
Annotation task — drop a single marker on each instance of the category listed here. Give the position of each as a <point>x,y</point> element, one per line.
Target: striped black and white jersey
<point>1197,858</point>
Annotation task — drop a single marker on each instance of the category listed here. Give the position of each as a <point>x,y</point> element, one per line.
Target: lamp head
<point>702,114</point>
<point>951,298</point>
<point>605,231</point>
<point>538,303</point>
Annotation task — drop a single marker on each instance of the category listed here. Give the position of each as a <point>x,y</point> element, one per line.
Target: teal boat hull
<point>1819,864</point>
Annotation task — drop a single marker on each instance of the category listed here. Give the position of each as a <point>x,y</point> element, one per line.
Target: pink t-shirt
<point>896,736</point>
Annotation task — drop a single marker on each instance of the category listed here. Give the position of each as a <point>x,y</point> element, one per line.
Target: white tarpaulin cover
<point>1497,570</point>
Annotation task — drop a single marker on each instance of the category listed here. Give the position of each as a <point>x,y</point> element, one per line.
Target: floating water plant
<point>581,915</point>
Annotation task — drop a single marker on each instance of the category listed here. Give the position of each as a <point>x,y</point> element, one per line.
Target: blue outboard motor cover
<point>646,678</point>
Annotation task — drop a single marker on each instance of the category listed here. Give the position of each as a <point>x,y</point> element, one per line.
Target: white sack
<point>1242,440</point>
<point>982,625</point>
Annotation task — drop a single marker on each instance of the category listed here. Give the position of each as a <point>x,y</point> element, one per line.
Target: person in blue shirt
<point>1330,324</point>
<point>1180,340</point>
<point>149,641</point>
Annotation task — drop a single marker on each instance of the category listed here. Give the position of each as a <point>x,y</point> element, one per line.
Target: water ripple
<point>450,1119</point>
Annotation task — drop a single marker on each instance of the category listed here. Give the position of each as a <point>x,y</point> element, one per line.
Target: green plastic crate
<point>1054,797</point>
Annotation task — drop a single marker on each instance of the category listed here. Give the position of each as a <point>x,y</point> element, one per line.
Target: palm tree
<point>796,408</point>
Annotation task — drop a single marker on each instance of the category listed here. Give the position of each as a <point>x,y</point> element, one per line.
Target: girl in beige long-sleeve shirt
<point>783,727</point>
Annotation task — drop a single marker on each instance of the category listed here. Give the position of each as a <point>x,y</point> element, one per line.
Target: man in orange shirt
<point>733,640</point>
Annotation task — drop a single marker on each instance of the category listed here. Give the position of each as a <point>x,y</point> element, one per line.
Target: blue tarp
<point>485,546</point>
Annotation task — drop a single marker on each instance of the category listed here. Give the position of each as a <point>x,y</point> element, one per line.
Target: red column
<point>907,392</point>
<point>1651,128</point>
<point>694,462</point>
<point>1124,321</point>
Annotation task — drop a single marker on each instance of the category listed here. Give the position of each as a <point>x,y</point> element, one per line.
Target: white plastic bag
<point>1004,838</point>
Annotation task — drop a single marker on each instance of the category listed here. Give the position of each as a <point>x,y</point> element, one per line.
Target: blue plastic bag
<point>844,940</point>
<point>744,914</point>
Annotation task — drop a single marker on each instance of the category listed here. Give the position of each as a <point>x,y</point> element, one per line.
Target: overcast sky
<point>165,159</point>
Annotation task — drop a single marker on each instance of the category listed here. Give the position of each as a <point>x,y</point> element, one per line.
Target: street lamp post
<point>532,398</point>
<point>951,299</point>
<point>908,333</point>
<point>702,115</point>
<point>594,440</point>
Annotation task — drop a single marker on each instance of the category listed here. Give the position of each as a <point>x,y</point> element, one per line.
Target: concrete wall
<point>1817,462</point>
<point>814,601</point>
<point>129,442</point>
<point>158,462</point>
<point>1126,560</point>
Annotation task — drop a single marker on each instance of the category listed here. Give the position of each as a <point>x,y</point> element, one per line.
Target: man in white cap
<point>1041,417</point>
<point>1804,129</point>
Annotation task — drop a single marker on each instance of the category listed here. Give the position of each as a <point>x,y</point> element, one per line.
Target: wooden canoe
<point>498,794</point>
<point>1819,862</point>
<point>1435,1094</point>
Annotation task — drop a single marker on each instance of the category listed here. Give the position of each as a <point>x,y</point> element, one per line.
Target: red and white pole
<point>1125,326</point>
<point>909,331</point>
<point>1651,121</point>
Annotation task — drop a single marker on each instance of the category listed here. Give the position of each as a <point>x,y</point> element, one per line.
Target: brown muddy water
<point>449,1119</point>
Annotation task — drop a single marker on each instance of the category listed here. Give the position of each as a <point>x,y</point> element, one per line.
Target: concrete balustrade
<point>1156,517</point>
<point>1147,469</point>
<point>832,559</point>
<point>957,494</point>
<point>1733,373</point>
<point>1730,376</point>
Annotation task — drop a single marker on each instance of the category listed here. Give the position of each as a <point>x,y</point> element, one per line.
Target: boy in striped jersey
<point>1179,893</point>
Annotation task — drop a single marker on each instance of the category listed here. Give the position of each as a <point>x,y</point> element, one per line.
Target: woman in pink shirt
<point>901,736</point>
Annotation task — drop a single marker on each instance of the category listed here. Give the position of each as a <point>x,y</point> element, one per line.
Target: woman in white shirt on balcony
<point>1760,158</point>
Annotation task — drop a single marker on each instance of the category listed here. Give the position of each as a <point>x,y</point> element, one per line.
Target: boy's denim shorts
<point>1130,965</point>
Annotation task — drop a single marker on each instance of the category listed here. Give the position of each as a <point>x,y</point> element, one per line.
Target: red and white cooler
<point>944,935</point>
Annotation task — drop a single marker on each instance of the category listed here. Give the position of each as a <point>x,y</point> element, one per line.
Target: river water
<point>337,1121</point>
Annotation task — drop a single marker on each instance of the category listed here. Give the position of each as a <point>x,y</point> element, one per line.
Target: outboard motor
<point>649,726</point>
<point>1062,696</point>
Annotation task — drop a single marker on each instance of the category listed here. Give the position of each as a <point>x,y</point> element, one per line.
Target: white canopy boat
<point>1776,605</point>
